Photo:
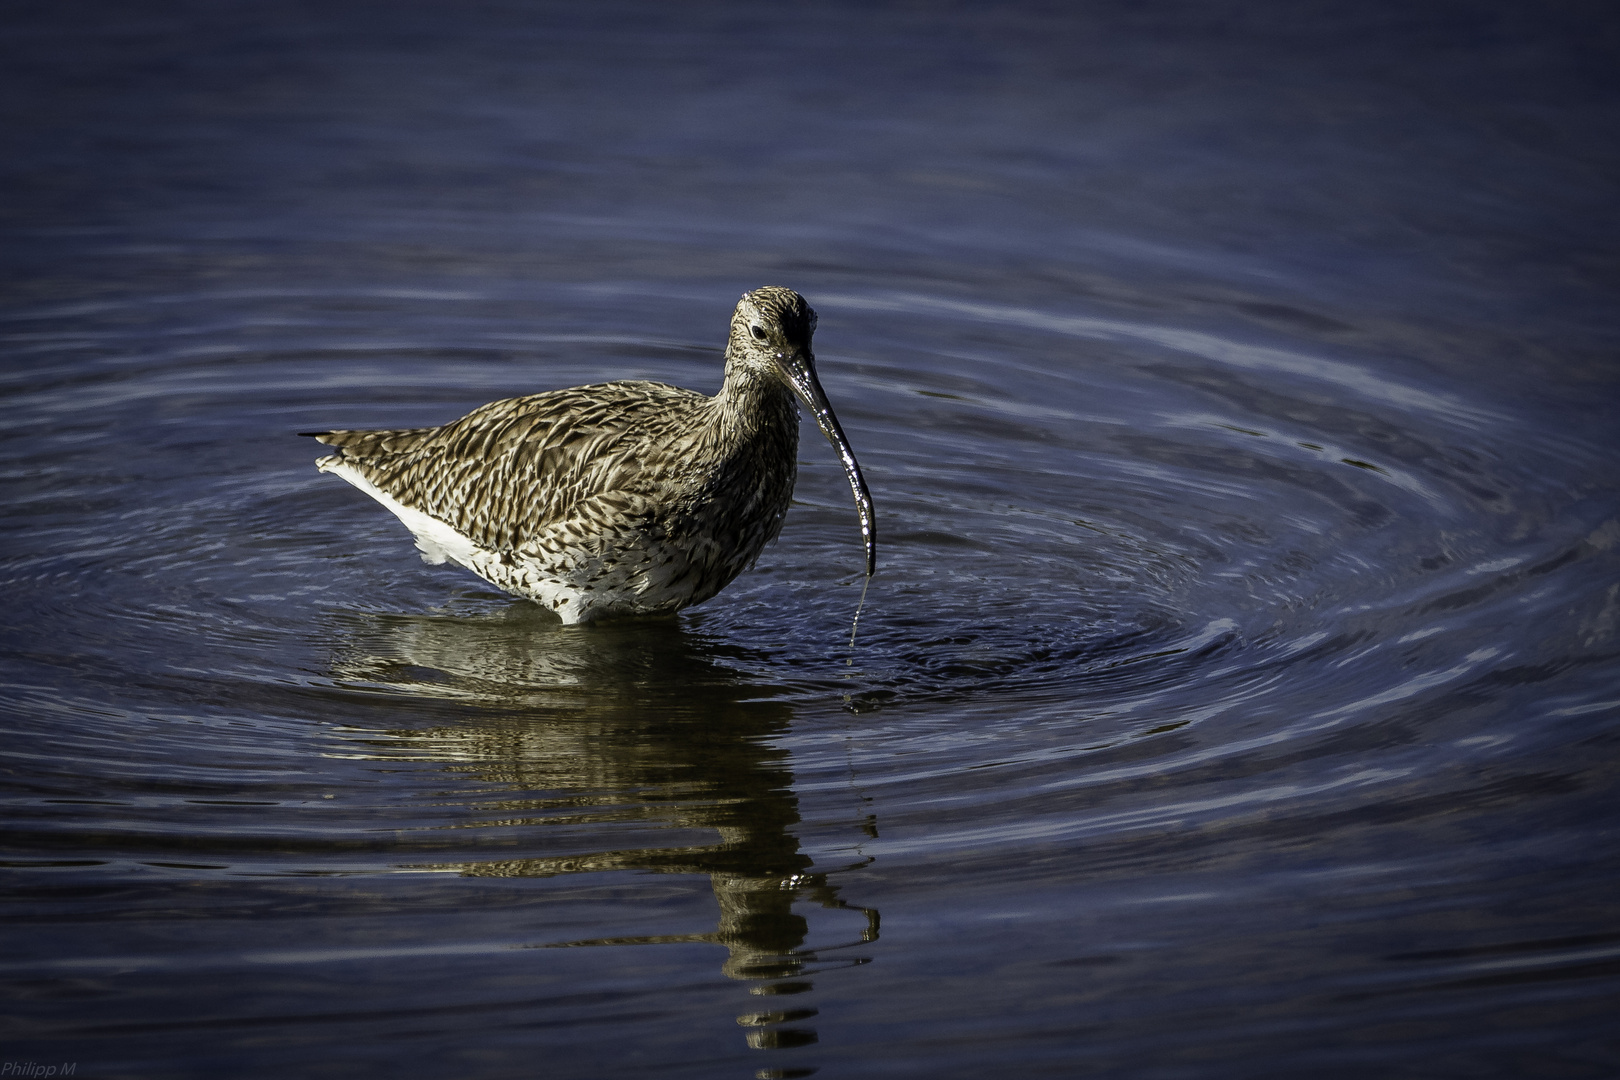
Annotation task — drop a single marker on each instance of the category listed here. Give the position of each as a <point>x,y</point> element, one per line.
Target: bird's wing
<point>511,469</point>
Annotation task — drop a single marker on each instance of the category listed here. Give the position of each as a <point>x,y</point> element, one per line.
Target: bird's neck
<point>753,403</point>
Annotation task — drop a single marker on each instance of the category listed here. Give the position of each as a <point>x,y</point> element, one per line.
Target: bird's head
<point>772,327</point>
<point>770,336</point>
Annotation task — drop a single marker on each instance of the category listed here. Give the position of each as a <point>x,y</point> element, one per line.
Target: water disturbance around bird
<point>1237,692</point>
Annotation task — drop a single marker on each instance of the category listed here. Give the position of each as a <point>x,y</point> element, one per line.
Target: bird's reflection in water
<point>639,723</point>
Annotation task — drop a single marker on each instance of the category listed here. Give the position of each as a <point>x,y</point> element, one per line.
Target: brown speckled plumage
<point>618,498</point>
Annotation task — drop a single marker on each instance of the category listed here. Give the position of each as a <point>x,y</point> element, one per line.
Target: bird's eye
<point>758,332</point>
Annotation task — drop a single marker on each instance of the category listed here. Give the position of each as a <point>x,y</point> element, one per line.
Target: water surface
<point>1237,696</point>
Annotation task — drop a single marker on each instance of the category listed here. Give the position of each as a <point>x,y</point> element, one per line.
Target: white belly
<point>577,589</point>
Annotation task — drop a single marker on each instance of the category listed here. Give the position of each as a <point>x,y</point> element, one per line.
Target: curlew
<point>622,498</point>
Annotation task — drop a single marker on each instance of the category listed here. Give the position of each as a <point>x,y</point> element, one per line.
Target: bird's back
<point>508,471</point>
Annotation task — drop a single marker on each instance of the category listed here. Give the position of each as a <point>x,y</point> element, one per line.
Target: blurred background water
<point>1237,697</point>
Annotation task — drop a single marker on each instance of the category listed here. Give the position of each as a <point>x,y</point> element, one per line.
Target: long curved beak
<point>799,370</point>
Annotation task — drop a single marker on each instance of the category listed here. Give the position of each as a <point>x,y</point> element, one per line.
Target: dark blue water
<point>1238,695</point>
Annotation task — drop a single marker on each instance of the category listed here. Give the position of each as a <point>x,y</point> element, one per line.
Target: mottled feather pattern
<point>506,471</point>
<point>618,498</point>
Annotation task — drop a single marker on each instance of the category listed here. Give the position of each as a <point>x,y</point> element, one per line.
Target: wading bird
<point>622,498</point>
